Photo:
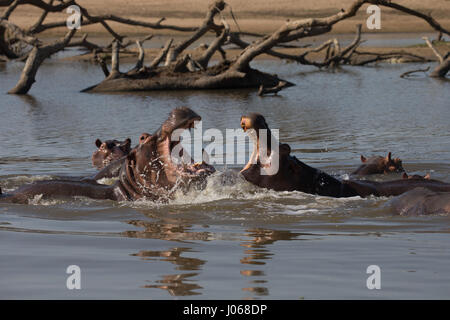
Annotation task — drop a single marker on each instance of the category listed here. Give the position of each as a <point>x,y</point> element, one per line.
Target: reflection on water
<point>256,253</point>
<point>232,240</point>
<point>180,284</point>
<point>172,255</point>
<point>165,231</point>
<point>176,284</point>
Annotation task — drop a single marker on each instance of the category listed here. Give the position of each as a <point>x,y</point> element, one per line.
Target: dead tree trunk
<point>184,71</point>
<point>280,86</point>
<point>35,58</point>
<point>215,45</point>
<point>208,23</point>
<point>162,54</point>
<point>187,73</point>
<point>444,62</point>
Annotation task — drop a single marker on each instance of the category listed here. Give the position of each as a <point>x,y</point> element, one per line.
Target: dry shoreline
<point>262,16</point>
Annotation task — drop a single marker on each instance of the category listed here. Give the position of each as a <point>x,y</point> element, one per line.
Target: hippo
<point>378,165</point>
<point>148,171</point>
<point>421,201</point>
<point>108,151</point>
<point>112,169</point>
<point>292,174</point>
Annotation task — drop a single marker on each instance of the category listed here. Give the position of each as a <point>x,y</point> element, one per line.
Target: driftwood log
<point>22,44</point>
<point>37,55</point>
<point>173,68</point>
<point>184,72</point>
<point>441,70</point>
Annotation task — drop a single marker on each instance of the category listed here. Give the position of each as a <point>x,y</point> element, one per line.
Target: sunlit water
<point>231,240</point>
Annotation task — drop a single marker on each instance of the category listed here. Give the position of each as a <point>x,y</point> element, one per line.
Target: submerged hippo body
<point>61,189</point>
<point>146,172</point>
<point>378,165</point>
<point>416,176</point>
<point>293,174</point>
<point>366,188</point>
<point>421,201</point>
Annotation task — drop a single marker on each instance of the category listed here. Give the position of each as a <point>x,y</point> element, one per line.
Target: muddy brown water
<point>231,240</point>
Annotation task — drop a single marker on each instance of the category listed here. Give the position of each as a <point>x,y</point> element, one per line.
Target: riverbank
<point>262,16</point>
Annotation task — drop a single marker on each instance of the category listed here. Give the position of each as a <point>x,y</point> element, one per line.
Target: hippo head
<point>285,176</point>
<point>150,171</point>
<point>108,151</point>
<point>377,165</point>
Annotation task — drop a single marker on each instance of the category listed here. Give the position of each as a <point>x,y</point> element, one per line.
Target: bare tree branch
<point>162,54</point>
<point>293,30</point>
<point>115,72</point>
<point>444,63</point>
<point>214,46</point>
<point>83,42</point>
<point>208,23</point>
<point>405,74</point>
<point>35,28</point>
<point>436,53</point>
<point>10,9</point>
<point>102,63</point>
<point>35,59</point>
<point>280,86</point>
<point>41,4</point>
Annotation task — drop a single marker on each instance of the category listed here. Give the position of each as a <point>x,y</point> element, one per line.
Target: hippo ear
<point>285,149</point>
<point>127,143</point>
<point>363,159</point>
<point>427,176</point>
<point>143,137</point>
<point>98,143</point>
<point>404,175</point>
<point>388,157</point>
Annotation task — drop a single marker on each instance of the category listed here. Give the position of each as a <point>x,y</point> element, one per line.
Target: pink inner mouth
<point>186,170</point>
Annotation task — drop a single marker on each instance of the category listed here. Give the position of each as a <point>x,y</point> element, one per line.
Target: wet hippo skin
<point>421,201</point>
<point>296,175</point>
<point>378,165</point>
<point>146,172</point>
<point>109,150</point>
<point>112,169</point>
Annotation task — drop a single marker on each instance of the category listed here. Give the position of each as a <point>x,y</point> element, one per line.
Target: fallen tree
<point>37,55</point>
<point>443,67</point>
<point>173,69</point>
<point>441,70</point>
<point>23,45</point>
<point>184,72</point>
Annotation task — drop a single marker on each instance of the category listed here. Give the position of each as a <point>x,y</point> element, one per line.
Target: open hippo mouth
<point>272,166</point>
<point>153,169</point>
<point>266,150</point>
<point>177,162</point>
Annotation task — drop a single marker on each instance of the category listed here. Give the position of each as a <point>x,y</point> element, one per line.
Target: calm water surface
<point>231,240</point>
